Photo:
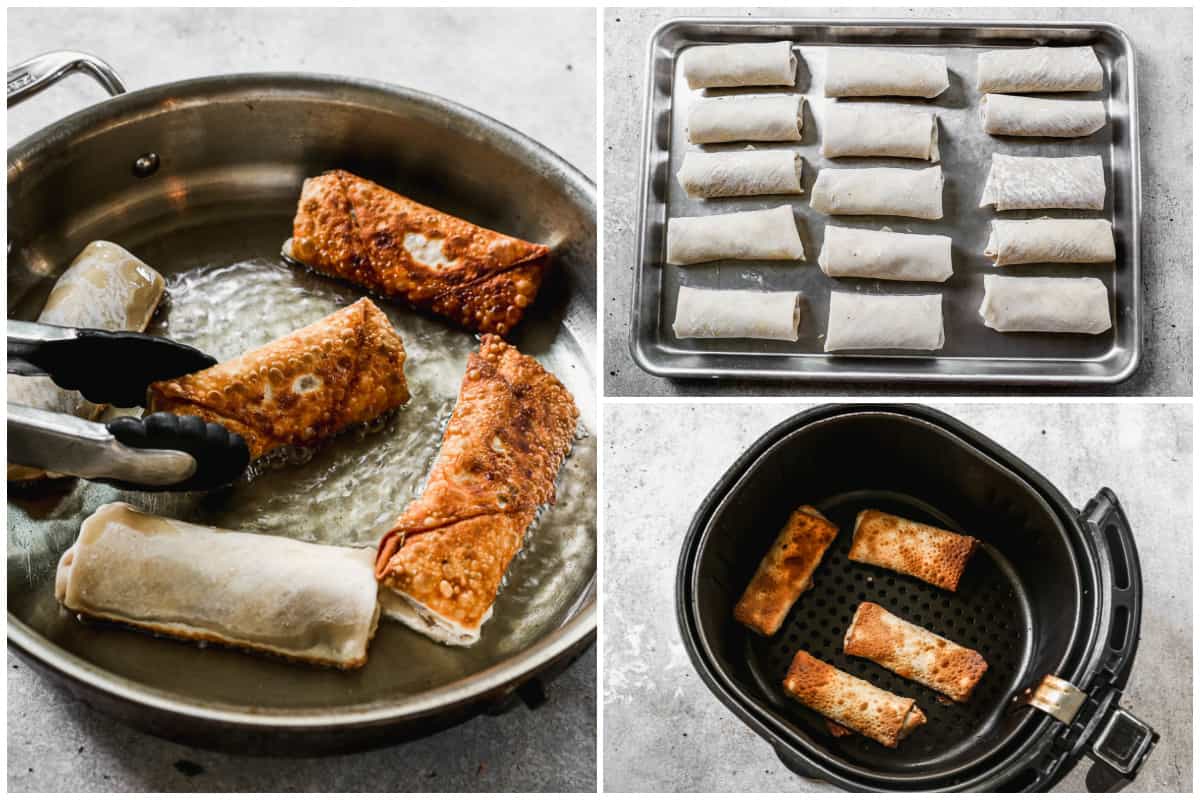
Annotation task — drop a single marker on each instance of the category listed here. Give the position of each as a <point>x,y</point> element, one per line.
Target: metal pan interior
<point>1019,603</point>
<point>212,220</point>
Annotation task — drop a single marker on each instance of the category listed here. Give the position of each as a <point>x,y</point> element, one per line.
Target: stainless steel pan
<point>200,179</point>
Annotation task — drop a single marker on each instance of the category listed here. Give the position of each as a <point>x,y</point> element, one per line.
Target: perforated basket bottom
<point>988,613</point>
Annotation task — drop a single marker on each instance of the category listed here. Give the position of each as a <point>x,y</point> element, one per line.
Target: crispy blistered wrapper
<point>351,228</point>
<point>509,434</point>
<point>344,369</point>
<point>785,571</point>
<point>913,652</point>
<point>851,702</point>
<point>934,555</point>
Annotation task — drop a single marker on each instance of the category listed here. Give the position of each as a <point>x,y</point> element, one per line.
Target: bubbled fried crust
<point>351,228</point>
<point>785,571</point>
<point>934,555</point>
<point>509,434</point>
<point>914,653</point>
<point>344,369</point>
<point>850,701</point>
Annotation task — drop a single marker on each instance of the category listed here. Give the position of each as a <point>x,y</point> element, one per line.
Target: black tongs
<point>158,452</point>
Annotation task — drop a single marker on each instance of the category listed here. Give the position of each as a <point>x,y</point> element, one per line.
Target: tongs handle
<point>106,367</point>
<point>159,452</point>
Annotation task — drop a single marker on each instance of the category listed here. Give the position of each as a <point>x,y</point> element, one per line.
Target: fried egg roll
<point>852,702</point>
<point>350,228</point>
<point>269,594</point>
<point>1023,182</point>
<point>785,571</point>
<point>751,64</point>
<point>914,653</point>
<point>746,118</point>
<point>105,287</point>
<point>871,72</point>
<point>307,386</point>
<point>442,561</point>
<point>1041,69</point>
<point>931,554</point>
<point>1051,241</point>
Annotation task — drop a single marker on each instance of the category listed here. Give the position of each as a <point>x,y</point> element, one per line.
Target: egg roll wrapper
<point>786,571</point>
<point>931,554</point>
<point>509,434</point>
<point>913,652</point>
<point>350,228</point>
<point>851,702</point>
<point>342,370</point>
<point>105,287</point>
<point>297,600</point>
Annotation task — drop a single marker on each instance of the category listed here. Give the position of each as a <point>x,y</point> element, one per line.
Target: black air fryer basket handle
<point>1117,740</point>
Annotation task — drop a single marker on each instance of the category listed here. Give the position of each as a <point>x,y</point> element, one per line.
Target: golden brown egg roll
<point>298,600</point>
<point>850,701</point>
<point>785,571</point>
<point>934,555</point>
<point>444,558</point>
<point>912,652</point>
<point>350,228</point>
<point>344,369</point>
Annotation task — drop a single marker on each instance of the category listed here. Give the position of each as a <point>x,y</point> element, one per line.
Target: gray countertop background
<point>665,731</point>
<point>1162,41</point>
<point>498,61</point>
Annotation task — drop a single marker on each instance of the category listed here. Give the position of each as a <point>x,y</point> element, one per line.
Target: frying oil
<point>345,491</point>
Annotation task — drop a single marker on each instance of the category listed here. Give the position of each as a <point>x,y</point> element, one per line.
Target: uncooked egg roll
<point>749,64</point>
<point>871,72</point>
<point>870,129</point>
<point>931,554</point>
<point>914,653</point>
<point>342,370</point>
<point>1014,304</point>
<point>1023,182</point>
<point>746,118</point>
<point>852,702</point>
<point>350,228</point>
<point>1040,69</point>
<point>786,571</point>
<point>106,287</point>
<point>1007,115</point>
<point>883,191</point>
<point>767,234</point>
<point>741,173</point>
<point>1051,241</point>
<point>269,594</point>
<point>442,561</point>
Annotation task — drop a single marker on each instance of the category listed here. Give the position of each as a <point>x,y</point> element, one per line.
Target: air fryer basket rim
<point>1090,562</point>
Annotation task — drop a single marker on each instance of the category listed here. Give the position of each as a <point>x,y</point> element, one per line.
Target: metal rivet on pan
<point>145,165</point>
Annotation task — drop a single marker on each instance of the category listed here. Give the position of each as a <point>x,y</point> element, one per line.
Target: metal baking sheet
<point>973,353</point>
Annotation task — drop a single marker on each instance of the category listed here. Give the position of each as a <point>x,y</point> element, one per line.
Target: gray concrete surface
<point>1163,42</point>
<point>664,730</point>
<point>501,62</point>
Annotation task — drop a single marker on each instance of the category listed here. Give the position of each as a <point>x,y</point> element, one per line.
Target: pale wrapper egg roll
<point>885,255</point>
<point>741,173</point>
<point>883,191</point>
<point>1009,115</point>
<point>925,552</point>
<point>270,594</point>
<point>786,571</point>
<point>1040,69</point>
<point>1024,182</point>
<point>851,702</point>
<point>752,64</point>
<point>914,653</point>
<point>105,287</point>
<point>871,72</point>
<point>884,322</point>
<point>746,118</point>
<point>1045,305</point>
<point>870,129</point>
<point>737,314</point>
<point>768,234</point>
<point>1051,241</point>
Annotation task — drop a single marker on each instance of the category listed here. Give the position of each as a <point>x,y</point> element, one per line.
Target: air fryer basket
<point>1033,600</point>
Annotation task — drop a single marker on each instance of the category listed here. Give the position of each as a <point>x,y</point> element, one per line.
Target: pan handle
<point>43,71</point>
